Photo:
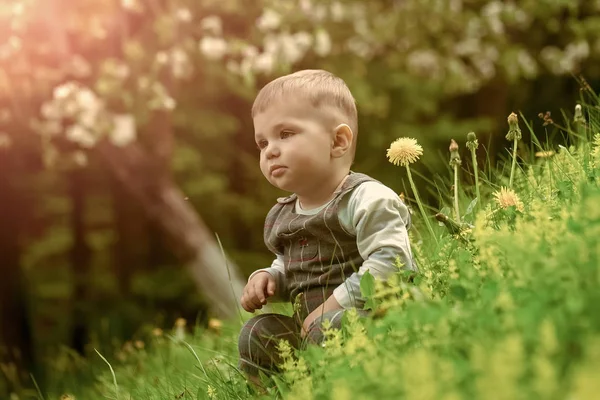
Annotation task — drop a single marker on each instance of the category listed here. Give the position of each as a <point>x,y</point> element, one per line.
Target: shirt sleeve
<point>379,219</point>
<point>277,270</point>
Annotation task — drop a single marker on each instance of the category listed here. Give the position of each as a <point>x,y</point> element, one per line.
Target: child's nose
<point>272,151</point>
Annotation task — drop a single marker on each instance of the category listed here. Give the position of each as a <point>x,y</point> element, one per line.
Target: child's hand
<point>257,290</point>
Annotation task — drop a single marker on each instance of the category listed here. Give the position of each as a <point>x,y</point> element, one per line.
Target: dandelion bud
<point>453,145</point>
<point>514,133</point>
<point>578,118</point>
<point>454,157</point>
<point>472,142</point>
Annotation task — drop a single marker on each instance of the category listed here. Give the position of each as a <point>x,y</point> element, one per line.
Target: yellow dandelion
<point>157,332</point>
<point>404,151</point>
<point>506,198</point>
<point>544,154</point>
<point>215,324</point>
<point>180,323</point>
<point>211,392</point>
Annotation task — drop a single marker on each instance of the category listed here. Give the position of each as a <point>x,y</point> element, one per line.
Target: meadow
<point>504,306</point>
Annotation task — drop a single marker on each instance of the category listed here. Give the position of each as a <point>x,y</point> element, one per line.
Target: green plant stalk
<point>514,163</point>
<point>474,158</point>
<point>456,209</point>
<point>414,188</point>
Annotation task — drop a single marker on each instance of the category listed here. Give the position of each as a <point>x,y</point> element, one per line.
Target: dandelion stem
<point>474,158</point>
<point>514,162</point>
<point>456,209</point>
<point>424,215</point>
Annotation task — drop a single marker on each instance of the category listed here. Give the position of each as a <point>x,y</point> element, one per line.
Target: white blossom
<point>213,48</point>
<point>169,103</point>
<point>423,62</point>
<point>289,48</point>
<point>304,40</point>
<point>80,135</point>
<point>161,58</point>
<point>212,25</point>
<point>50,110</point>
<point>181,66</point>
<point>183,14</point>
<point>338,12</point>
<point>492,12</point>
<point>527,64</point>
<point>124,130</point>
<point>269,20</point>
<point>322,43</point>
<point>80,158</point>
<point>65,90</point>
<point>264,63</point>
<point>131,5</point>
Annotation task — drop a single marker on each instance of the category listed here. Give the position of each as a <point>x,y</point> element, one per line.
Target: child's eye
<point>286,134</point>
<point>261,144</point>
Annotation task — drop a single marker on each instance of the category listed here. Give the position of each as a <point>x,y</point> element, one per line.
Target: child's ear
<point>341,141</point>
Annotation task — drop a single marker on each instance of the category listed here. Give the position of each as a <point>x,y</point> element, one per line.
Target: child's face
<point>295,141</point>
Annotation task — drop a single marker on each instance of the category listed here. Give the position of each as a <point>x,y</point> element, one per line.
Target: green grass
<point>505,310</point>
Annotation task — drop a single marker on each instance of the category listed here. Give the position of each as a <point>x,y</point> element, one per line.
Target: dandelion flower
<point>544,154</point>
<point>211,392</point>
<point>506,198</point>
<point>157,332</point>
<point>404,151</point>
<point>215,324</point>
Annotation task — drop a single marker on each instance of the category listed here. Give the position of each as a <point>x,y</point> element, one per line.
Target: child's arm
<point>379,219</point>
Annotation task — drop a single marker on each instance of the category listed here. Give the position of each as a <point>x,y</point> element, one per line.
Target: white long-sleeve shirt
<point>378,218</point>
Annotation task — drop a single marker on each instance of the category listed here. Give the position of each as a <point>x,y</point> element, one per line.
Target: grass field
<point>506,307</point>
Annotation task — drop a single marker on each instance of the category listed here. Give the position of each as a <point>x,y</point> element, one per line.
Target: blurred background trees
<point>126,141</point>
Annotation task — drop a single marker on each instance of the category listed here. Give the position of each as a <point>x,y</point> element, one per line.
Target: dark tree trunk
<point>80,261</point>
<point>15,331</point>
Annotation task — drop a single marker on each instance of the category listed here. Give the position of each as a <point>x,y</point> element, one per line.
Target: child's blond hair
<point>319,87</point>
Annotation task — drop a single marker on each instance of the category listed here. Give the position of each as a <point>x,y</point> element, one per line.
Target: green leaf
<point>471,206</point>
<point>367,289</point>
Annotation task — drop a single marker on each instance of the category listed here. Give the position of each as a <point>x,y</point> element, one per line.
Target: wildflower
<point>213,48</point>
<point>180,328</point>
<point>579,118</point>
<point>157,332</point>
<point>544,154</point>
<point>404,151</point>
<point>212,392</point>
<point>547,118</point>
<point>514,134</point>
<point>507,197</point>
<point>215,324</point>
<point>139,344</point>
<point>67,397</point>
<point>269,20</point>
<point>472,145</point>
<point>123,131</point>
<point>455,163</point>
<point>596,151</point>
